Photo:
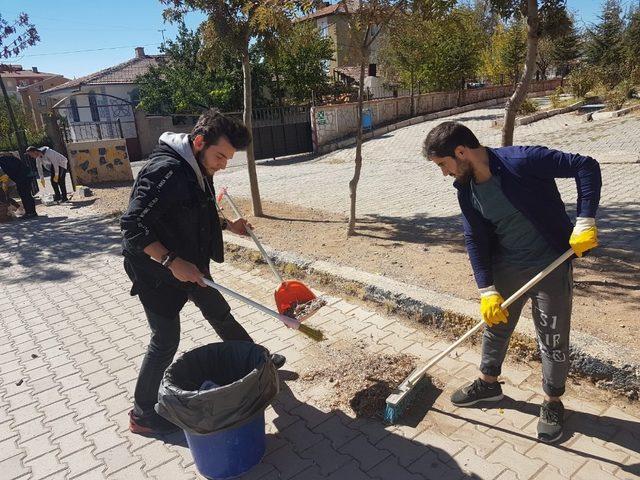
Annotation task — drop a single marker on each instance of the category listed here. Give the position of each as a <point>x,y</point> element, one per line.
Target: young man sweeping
<point>515,225</point>
<point>171,231</point>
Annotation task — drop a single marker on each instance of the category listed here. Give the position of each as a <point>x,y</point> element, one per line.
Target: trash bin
<point>217,394</point>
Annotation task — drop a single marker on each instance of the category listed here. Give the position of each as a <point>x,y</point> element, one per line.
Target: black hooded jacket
<point>168,205</point>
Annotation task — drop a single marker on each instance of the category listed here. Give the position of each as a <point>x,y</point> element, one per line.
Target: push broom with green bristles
<point>402,397</point>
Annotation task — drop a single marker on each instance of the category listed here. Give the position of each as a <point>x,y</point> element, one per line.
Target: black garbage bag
<point>245,383</point>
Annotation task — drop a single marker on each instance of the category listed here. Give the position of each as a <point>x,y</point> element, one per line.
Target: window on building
<point>40,88</point>
<point>93,104</point>
<point>75,114</point>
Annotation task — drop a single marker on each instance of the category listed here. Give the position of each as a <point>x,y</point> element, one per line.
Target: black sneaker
<point>150,425</point>
<point>478,391</point>
<point>278,360</point>
<point>29,216</point>
<point>551,421</point>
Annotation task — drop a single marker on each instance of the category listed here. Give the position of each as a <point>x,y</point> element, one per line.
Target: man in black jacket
<point>17,171</point>
<point>171,231</point>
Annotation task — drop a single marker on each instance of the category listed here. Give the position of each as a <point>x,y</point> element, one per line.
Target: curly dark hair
<point>213,124</point>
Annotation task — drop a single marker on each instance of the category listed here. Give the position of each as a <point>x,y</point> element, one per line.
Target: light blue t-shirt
<point>520,243</point>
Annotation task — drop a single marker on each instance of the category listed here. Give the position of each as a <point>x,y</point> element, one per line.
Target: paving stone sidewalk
<point>72,339</point>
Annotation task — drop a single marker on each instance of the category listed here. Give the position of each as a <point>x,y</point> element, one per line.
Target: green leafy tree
<point>302,54</point>
<point>605,47</point>
<point>231,26</point>
<point>404,51</point>
<point>455,45</point>
<point>505,53</point>
<point>294,58</point>
<point>632,39</point>
<point>183,83</point>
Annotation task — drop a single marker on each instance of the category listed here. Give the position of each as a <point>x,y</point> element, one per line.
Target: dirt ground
<point>607,291</point>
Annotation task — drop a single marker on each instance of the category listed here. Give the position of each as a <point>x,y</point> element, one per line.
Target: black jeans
<point>165,335</point>
<point>24,190</point>
<point>59,187</point>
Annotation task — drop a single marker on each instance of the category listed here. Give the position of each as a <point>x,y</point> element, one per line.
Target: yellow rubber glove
<point>490,302</point>
<point>55,179</point>
<point>42,182</point>
<point>584,236</point>
<point>4,180</point>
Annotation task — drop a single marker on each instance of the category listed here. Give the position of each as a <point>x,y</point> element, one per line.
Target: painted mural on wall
<point>100,162</point>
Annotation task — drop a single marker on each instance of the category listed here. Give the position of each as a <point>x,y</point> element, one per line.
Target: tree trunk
<point>248,121</point>
<point>520,92</point>
<point>353,184</point>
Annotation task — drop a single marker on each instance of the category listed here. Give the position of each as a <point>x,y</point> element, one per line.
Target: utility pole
<point>162,30</point>
<point>21,144</point>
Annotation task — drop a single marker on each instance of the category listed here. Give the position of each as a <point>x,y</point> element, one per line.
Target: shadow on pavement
<point>425,461</point>
<point>48,248</point>
<point>623,433</point>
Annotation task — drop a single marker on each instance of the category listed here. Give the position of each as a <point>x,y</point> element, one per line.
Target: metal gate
<point>281,131</point>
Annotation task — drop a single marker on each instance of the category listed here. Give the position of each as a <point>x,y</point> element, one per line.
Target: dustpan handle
<point>252,235</point>
<point>288,321</point>
<point>418,374</point>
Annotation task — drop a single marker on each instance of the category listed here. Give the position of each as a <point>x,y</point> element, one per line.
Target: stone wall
<point>99,161</point>
<point>333,122</point>
<point>150,127</point>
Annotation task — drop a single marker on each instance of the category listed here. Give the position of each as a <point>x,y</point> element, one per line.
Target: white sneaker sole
<point>488,399</point>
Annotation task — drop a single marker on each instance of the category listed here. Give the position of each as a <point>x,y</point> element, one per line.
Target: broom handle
<point>418,374</point>
<point>289,322</point>
<point>253,236</point>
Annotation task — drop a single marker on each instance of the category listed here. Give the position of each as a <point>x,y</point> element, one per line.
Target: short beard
<point>466,172</point>
<point>200,159</point>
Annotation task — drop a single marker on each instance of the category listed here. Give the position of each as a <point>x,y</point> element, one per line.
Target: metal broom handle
<point>253,236</point>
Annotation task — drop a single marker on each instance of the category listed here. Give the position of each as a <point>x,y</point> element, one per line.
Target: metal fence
<point>88,131</point>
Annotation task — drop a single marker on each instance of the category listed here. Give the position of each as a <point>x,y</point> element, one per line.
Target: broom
<point>402,397</point>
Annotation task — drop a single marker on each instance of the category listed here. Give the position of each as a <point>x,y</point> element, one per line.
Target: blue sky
<point>69,28</point>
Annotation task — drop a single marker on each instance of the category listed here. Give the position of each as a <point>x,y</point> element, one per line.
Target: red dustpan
<point>293,298</point>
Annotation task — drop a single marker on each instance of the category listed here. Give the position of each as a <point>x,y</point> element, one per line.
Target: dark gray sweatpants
<point>551,301</point>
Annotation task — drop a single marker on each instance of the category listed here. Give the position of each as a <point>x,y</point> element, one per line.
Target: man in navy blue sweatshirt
<point>515,225</point>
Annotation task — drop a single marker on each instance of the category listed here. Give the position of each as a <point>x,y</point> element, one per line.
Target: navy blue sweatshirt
<point>527,177</point>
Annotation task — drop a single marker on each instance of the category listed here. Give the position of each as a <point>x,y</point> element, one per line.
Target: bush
<point>581,80</point>
<point>528,107</point>
<point>556,102</point>
<point>615,98</point>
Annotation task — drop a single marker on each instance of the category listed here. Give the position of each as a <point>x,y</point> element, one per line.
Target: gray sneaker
<point>551,421</point>
<point>477,391</point>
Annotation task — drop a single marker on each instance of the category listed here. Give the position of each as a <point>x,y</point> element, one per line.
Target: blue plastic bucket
<point>231,452</point>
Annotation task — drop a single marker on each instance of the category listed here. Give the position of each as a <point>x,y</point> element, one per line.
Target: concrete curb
<point>549,113</point>
<point>615,114</point>
<point>351,140</point>
<point>603,363</point>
